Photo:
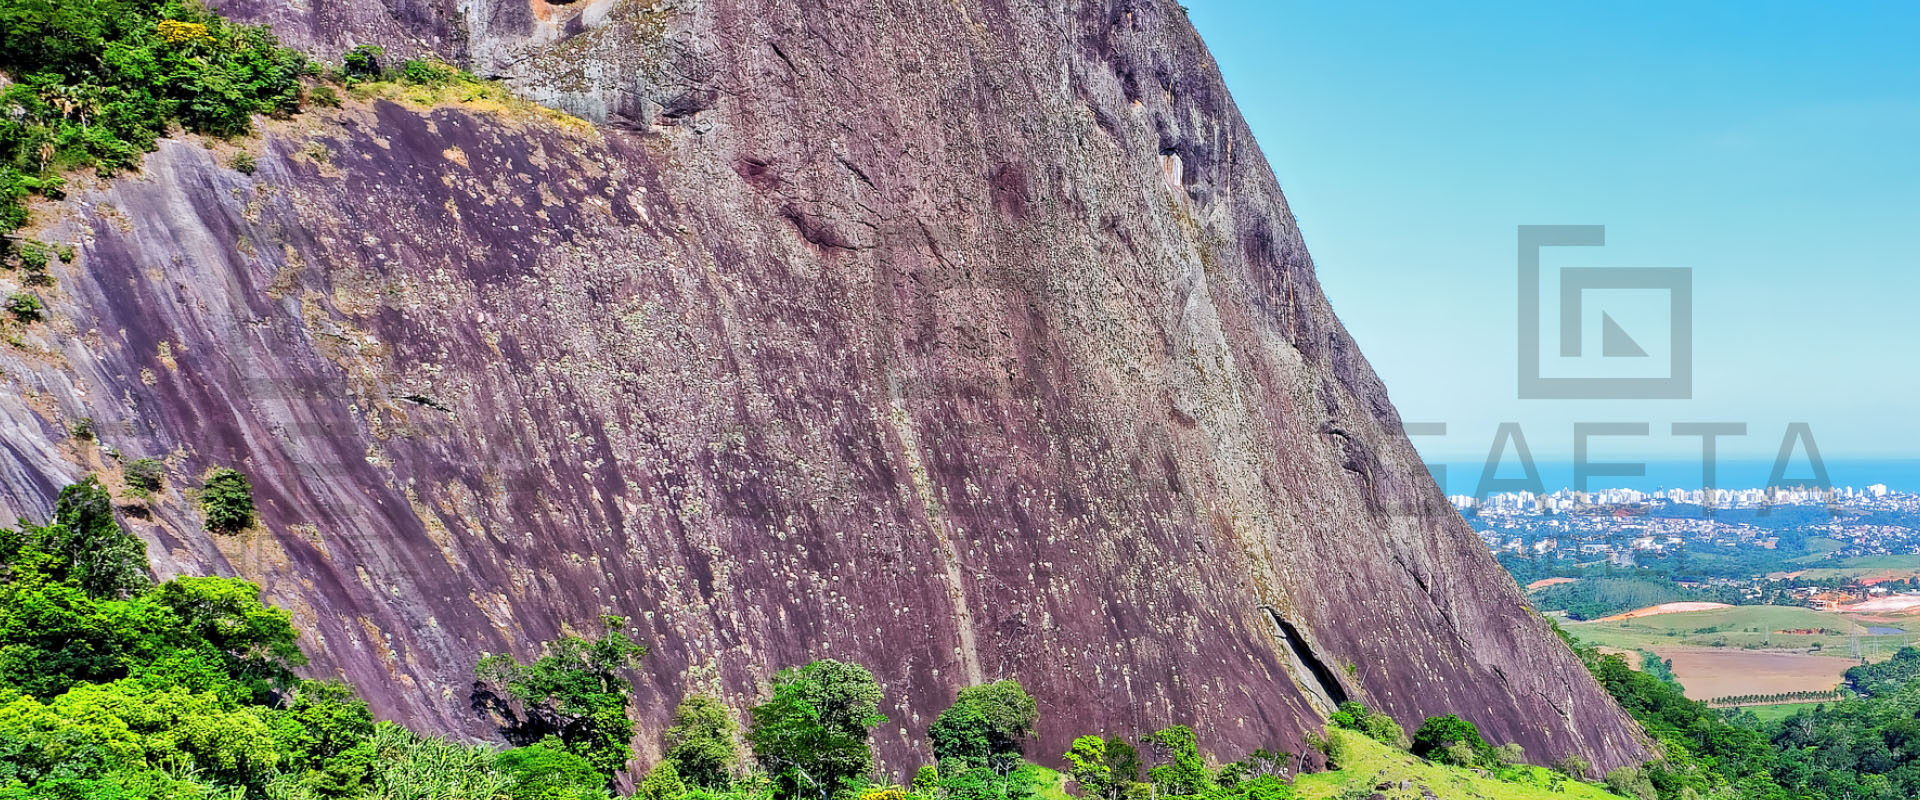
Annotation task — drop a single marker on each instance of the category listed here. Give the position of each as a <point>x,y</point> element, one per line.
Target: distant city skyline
<point>1767,147</point>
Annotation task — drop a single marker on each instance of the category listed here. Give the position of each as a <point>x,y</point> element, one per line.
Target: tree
<point>83,545</point>
<point>1438,736</point>
<point>1631,782</point>
<point>811,734</point>
<point>227,500</point>
<point>545,770</point>
<point>1124,759</point>
<point>700,743</point>
<point>662,783</point>
<point>1183,771</point>
<point>985,726</point>
<point>575,691</point>
<point>1087,763</point>
<point>256,642</point>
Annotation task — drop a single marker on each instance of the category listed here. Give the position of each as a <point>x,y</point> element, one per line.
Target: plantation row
<point>1781,697</point>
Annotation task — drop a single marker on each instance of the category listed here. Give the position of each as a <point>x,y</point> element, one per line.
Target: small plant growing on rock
<point>323,96</point>
<point>81,429</point>
<point>148,475</point>
<point>25,307</point>
<point>362,62</point>
<point>31,256</point>
<point>243,163</point>
<point>227,500</point>
<point>428,73</point>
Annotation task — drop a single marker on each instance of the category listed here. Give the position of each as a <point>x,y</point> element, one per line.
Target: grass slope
<point>1370,763</point>
<point>1053,785</point>
<point>1778,710</point>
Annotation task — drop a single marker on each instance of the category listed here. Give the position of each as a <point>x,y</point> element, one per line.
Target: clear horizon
<point>1768,148</point>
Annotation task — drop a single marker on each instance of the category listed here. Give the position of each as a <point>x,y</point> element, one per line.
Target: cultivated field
<point>1719,672</point>
<point>1789,628</point>
<point>1868,569</point>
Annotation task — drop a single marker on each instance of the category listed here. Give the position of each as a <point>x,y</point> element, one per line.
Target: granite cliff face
<point>965,339</point>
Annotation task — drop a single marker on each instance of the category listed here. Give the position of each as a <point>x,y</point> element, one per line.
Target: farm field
<point>1788,628</point>
<point>1868,569</point>
<point>1777,711</point>
<point>1720,672</point>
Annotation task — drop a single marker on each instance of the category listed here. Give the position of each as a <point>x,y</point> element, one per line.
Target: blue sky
<point>1772,148</point>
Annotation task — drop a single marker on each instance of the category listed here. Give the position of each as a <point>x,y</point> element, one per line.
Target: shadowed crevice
<point>1311,673</point>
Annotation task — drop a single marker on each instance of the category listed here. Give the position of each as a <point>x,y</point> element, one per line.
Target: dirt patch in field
<point>1666,608</point>
<point>1546,582</point>
<point>1632,657</point>
<point>1903,603</point>
<point>1709,672</point>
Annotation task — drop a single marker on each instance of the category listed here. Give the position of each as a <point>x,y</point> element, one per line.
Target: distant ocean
<point>1900,475</point>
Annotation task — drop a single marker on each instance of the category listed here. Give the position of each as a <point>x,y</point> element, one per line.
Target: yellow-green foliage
<point>464,90</point>
<point>1369,763</point>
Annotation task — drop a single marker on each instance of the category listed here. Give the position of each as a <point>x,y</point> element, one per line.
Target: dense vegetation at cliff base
<point>93,84</point>
<point>115,686</point>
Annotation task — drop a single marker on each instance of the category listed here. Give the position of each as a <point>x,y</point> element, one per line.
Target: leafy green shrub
<point>1353,715</point>
<point>985,724</point>
<point>25,307</point>
<point>1573,766</point>
<point>227,499</point>
<point>1631,782</point>
<point>1182,771</point>
<point>243,162</point>
<point>574,691</point>
<point>662,783</point>
<point>700,743</point>
<point>1450,739</point>
<point>81,429</point>
<point>323,96</point>
<point>97,82</point>
<point>363,62</point>
<point>545,770</point>
<point>429,73</point>
<point>811,735</point>
<point>29,255</point>
<point>146,474</point>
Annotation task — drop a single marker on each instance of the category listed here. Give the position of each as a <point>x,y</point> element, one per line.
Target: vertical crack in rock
<point>1323,687</point>
<point>968,648</point>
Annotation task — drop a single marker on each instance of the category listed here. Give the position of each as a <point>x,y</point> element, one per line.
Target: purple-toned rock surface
<point>966,339</point>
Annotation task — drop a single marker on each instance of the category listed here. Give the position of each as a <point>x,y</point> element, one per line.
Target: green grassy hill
<point>1370,764</point>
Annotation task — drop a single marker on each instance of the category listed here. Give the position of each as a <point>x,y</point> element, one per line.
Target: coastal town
<point>1625,526</point>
